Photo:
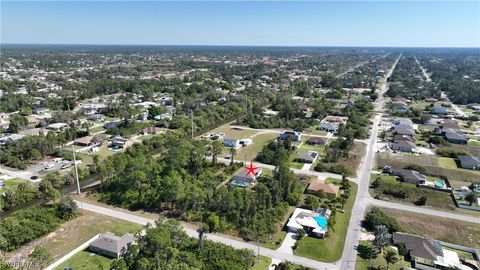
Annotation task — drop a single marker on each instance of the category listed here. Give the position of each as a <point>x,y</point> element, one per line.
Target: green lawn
<point>97,129</point>
<point>263,264</point>
<point>86,260</point>
<point>251,151</point>
<point>235,133</point>
<point>447,163</point>
<point>331,248</point>
<point>378,260</point>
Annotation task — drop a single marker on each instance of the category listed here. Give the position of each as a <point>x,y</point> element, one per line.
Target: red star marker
<point>250,169</point>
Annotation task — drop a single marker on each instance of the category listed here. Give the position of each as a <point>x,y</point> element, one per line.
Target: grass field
<point>251,151</point>
<point>431,163</point>
<point>436,199</point>
<point>473,143</point>
<point>444,229</point>
<point>355,158</point>
<point>233,132</point>
<point>331,248</point>
<point>263,264</point>
<point>85,260</point>
<point>378,260</point>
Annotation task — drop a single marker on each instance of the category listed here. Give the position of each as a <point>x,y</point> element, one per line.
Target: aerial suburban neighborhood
<point>238,157</point>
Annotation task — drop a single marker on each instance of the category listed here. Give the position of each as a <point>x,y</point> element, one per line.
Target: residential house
<point>110,245</point>
<point>120,142</point>
<point>245,179</point>
<point>84,141</point>
<point>230,142</point>
<point>398,138</point>
<point>454,137</point>
<point>110,125</point>
<point>40,110</point>
<point>295,135</point>
<point>428,254</point>
<point>469,162</point>
<point>410,176</point>
<point>4,139</point>
<point>439,110</point>
<point>449,124</point>
<point>403,130</point>
<point>403,146</point>
<point>33,132</point>
<point>58,127</point>
<point>307,156</point>
<point>151,130</point>
<point>96,117</point>
<point>328,127</point>
<point>328,188</point>
<point>315,223</point>
<point>316,140</point>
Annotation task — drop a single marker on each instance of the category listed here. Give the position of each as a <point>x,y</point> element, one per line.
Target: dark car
<point>34,177</point>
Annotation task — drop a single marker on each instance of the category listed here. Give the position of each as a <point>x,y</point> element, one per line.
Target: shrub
<point>376,217</point>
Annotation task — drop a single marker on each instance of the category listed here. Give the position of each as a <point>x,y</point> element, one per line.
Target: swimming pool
<point>439,184</point>
<point>321,221</point>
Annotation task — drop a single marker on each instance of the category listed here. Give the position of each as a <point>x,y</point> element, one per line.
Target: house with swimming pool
<point>244,179</point>
<point>315,223</point>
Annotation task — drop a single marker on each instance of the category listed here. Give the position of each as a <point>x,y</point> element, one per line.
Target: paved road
<point>278,255</point>
<point>349,256</point>
<point>425,74</point>
<point>17,174</point>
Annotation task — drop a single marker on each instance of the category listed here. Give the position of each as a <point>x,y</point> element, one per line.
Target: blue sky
<point>283,23</point>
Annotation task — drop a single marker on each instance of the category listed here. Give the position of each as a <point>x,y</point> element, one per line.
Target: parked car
<point>34,177</point>
<point>49,166</point>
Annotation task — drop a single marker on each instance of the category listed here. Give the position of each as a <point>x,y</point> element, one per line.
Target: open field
<point>85,260</point>
<point>355,158</point>
<point>73,233</point>
<point>378,260</point>
<point>431,163</point>
<point>472,149</point>
<point>251,151</point>
<point>276,241</point>
<point>233,132</point>
<point>329,249</point>
<point>444,229</point>
<point>435,199</point>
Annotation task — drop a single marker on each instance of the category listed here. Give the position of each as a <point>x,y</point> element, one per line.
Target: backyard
<point>365,263</point>
<point>433,165</point>
<point>444,229</point>
<point>75,232</point>
<point>391,189</point>
<point>85,260</point>
<point>331,248</point>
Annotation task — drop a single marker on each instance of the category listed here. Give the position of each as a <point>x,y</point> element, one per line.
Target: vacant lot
<point>432,164</point>
<point>378,260</point>
<point>75,232</point>
<point>329,249</point>
<point>235,133</point>
<point>444,229</point>
<point>259,140</point>
<point>390,184</point>
<point>354,158</point>
<point>472,149</point>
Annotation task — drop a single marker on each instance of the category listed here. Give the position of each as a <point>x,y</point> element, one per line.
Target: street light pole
<point>76,170</point>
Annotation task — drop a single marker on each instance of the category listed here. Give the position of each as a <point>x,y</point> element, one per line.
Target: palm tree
<point>390,257</point>
<point>233,151</point>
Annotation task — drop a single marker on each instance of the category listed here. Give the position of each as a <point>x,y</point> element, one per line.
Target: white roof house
<point>315,222</point>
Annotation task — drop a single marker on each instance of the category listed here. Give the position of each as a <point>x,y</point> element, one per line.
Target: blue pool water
<point>439,183</point>
<point>321,221</point>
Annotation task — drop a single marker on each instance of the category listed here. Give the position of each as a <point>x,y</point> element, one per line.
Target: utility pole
<point>191,117</point>
<point>76,170</point>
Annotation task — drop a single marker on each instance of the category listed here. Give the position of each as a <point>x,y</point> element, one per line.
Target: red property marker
<point>250,169</point>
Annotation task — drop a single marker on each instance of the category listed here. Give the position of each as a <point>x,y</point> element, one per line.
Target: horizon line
<point>240,45</point>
